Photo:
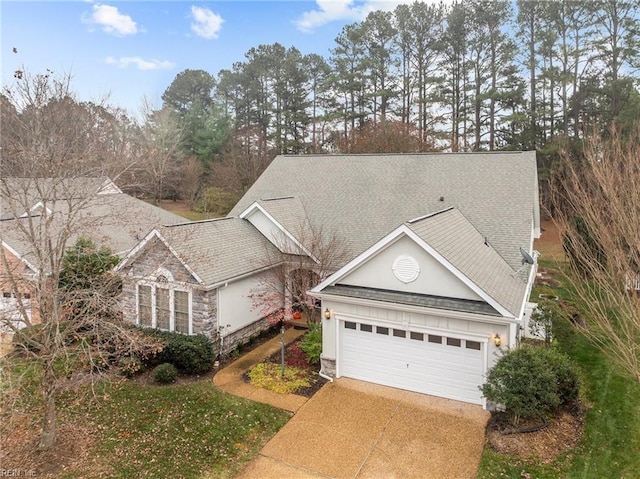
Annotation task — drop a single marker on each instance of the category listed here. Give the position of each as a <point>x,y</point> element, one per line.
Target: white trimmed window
<point>164,305</point>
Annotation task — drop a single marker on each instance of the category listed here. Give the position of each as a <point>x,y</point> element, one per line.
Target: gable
<point>155,256</point>
<point>406,267</point>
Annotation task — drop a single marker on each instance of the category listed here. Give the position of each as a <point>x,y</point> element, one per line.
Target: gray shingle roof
<point>460,243</point>
<point>366,196</point>
<point>115,220</point>
<point>219,250</point>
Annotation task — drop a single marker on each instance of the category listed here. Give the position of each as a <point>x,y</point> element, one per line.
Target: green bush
<point>531,382</point>
<point>567,382</point>
<point>165,373</point>
<point>311,344</point>
<point>190,354</point>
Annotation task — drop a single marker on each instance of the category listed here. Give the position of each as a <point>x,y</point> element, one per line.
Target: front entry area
<point>439,364</point>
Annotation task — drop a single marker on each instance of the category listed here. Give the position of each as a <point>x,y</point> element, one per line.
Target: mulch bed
<point>291,359</point>
<point>562,434</point>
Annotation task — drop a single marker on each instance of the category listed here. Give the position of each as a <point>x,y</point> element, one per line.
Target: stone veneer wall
<point>242,336</point>
<point>328,367</point>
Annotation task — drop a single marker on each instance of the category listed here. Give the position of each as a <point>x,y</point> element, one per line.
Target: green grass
<point>184,430</point>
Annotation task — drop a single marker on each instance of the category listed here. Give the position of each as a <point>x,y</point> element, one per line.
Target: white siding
<point>433,279</point>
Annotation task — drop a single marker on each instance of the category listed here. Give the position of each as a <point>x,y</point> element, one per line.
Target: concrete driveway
<point>351,429</point>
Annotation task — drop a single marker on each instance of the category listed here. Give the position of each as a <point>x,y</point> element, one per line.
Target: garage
<point>429,362</point>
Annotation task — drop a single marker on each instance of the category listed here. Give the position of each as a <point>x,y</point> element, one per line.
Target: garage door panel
<point>417,365</point>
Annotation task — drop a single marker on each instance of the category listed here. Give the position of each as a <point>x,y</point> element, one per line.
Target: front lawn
<point>190,429</point>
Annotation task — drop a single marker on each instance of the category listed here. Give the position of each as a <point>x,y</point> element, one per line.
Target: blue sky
<point>131,49</point>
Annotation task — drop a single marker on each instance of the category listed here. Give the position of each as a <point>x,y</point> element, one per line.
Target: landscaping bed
<point>295,358</point>
<point>561,434</point>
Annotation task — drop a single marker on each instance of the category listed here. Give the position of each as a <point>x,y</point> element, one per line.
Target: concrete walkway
<point>230,379</point>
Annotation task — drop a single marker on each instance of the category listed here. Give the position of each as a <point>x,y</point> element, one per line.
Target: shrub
<point>543,320</point>
<point>296,357</point>
<point>312,343</point>
<point>29,338</point>
<point>531,382</point>
<point>567,382</point>
<point>165,373</point>
<point>190,354</point>
<point>269,376</point>
<point>130,366</point>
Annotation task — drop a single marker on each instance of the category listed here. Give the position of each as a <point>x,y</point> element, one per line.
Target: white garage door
<point>428,363</point>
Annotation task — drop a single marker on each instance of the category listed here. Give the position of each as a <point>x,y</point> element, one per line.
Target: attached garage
<point>427,308</point>
<point>445,365</point>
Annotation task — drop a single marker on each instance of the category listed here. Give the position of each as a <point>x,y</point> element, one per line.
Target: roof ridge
<point>430,215</point>
<point>208,220</point>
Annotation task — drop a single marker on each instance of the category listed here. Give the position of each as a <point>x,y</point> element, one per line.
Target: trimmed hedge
<point>189,354</point>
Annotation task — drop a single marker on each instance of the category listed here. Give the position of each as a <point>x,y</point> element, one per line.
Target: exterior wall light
<point>497,340</point>
<point>327,314</point>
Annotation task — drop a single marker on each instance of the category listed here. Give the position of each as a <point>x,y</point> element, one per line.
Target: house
<point>42,209</point>
<point>197,278</point>
<point>437,267</point>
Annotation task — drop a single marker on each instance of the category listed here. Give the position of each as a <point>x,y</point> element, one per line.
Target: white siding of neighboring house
<point>434,278</point>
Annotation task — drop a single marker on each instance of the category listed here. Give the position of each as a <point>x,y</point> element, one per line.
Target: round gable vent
<point>406,268</point>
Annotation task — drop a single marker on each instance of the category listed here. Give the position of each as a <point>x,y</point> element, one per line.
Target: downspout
<point>325,376</point>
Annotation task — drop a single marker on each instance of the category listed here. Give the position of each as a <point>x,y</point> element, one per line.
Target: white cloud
<point>206,24</point>
<point>140,63</point>
<point>344,10</point>
<point>112,21</point>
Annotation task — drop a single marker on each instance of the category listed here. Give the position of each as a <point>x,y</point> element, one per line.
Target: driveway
<point>352,429</point>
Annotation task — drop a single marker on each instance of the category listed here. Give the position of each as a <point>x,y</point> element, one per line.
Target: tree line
<point>473,75</point>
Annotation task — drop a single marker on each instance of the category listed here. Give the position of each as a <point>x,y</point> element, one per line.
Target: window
<point>472,345</point>
<point>417,336</point>
<point>181,311</point>
<point>453,342</point>
<point>435,339</point>
<point>399,333</point>
<point>381,330</point>
<point>366,327</point>
<point>349,325</point>
<point>145,316</point>
<point>163,307</point>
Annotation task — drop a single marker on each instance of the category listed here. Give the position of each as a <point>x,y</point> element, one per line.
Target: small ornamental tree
<point>531,382</point>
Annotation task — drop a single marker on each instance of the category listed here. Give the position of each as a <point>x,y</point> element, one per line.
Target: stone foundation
<point>328,367</point>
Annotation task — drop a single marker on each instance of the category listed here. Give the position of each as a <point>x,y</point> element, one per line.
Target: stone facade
<point>157,259</point>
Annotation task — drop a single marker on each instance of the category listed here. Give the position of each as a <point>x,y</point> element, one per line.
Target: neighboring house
<point>106,215</point>
<point>435,278</point>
